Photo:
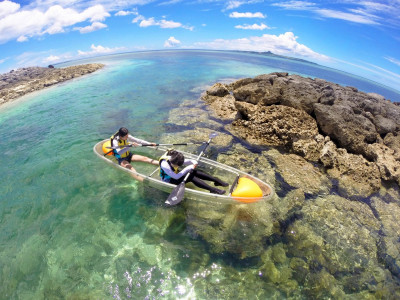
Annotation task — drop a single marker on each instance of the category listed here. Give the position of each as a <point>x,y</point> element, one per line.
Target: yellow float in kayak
<point>106,149</point>
<point>247,191</point>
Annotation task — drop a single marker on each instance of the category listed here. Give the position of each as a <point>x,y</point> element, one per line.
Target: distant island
<point>20,82</point>
<point>269,53</point>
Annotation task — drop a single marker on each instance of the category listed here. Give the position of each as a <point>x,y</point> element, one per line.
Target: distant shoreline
<point>20,82</point>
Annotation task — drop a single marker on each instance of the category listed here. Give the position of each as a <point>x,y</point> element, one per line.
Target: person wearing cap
<point>169,172</point>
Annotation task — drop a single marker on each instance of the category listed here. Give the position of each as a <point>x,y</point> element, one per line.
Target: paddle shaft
<point>140,145</point>
<point>200,155</point>
<point>108,152</point>
<point>234,184</point>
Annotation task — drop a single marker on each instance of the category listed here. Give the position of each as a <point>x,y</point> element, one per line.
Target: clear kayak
<point>150,176</point>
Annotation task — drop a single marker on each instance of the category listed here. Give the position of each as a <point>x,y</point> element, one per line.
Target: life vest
<point>164,176</point>
<point>121,143</point>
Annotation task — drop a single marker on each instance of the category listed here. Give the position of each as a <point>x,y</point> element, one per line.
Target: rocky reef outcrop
<point>17,83</point>
<point>354,134</point>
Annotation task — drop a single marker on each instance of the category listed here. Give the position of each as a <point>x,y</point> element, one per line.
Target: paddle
<point>177,193</point>
<point>180,144</point>
<point>234,184</point>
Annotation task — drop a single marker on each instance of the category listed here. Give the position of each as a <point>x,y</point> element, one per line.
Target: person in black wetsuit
<point>169,172</point>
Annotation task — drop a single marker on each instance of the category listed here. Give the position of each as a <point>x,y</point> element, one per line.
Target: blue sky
<point>360,37</point>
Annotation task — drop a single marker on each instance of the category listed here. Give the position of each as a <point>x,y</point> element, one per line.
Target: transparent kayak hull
<point>149,175</point>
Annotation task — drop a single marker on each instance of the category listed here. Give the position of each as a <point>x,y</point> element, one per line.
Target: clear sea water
<point>73,228</point>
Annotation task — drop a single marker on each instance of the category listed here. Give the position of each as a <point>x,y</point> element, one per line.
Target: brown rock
<point>392,140</point>
<point>299,173</point>
<point>298,92</point>
<point>387,160</point>
<point>223,107</point>
<point>23,81</point>
<point>218,89</point>
<point>351,131</point>
<point>258,92</point>
<point>355,175</point>
<point>310,148</point>
<point>274,125</point>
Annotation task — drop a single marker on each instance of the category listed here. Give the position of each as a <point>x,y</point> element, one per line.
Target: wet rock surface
<point>331,229</point>
<point>17,83</point>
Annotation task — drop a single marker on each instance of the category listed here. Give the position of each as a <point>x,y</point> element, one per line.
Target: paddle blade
<point>213,135</point>
<point>176,195</point>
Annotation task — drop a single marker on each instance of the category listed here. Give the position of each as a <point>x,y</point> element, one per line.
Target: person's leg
<point>137,157</point>
<point>201,184</point>
<point>205,176</point>
<point>127,165</point>
<point>198,182</point>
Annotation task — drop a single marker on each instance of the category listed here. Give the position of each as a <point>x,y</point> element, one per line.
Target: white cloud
<point>388,74</point>
<point>24,24</point>
<point>93,27</point>
<point>161,23</point>
<point>171,42</point>
<point>138,18</point>
<point>362,12</point>
<point>109,5</point>
<point>246,15</point>
<point>22,38</point>
<point>99,50</point>
<point>283,44</point>
<point>352,17</point>
<point>379,7</point>
<point>376,73</point>
<point>295,5</point>
<point>7,8</point>
<point>235,4</point>
<point>125,13</point>
<point>261,26</point>
<point>147,23</point>
<point>393,60</point>
<point>95,13</point>
<point>51,59</point>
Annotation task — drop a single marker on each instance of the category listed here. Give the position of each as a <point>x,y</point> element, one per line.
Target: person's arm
<point>133,139</point>
<point>167,169</point>
<point>188,162</point>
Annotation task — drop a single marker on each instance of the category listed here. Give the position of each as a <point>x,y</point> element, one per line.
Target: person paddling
<point>123,155</point>
<point>169,172</point>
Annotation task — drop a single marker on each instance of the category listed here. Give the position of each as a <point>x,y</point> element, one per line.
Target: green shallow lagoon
<point>71,227</point>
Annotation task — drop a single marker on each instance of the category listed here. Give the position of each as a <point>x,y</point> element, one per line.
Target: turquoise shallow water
<point>72,228</point>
